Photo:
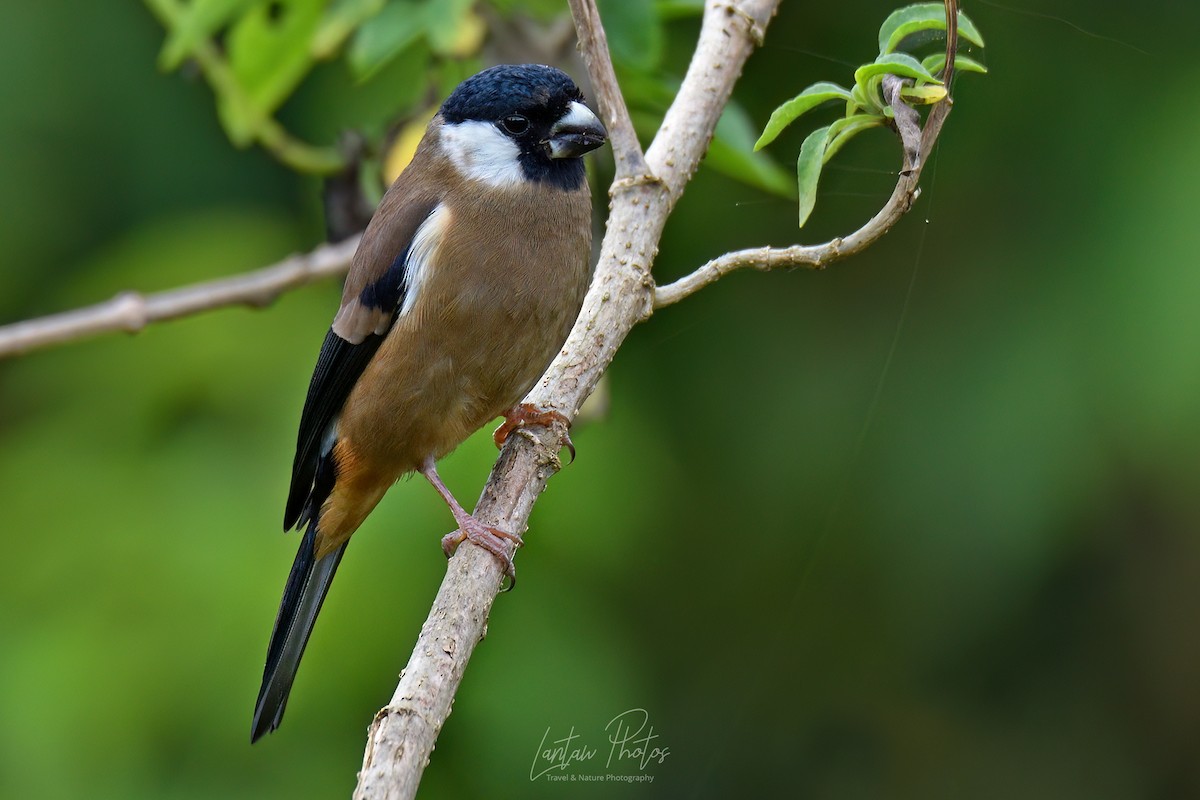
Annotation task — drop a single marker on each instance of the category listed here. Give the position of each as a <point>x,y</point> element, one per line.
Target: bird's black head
<point>523,121</point>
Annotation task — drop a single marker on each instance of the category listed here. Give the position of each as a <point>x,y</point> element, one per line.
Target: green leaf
<point>860,100</point>
<point>846,129</point>
<point>342,19</point>
<point>635,34</point>
<point>937,61</point>
<point>732,153</point>
<point>869,76</point>
<point>807,100</point>
<point>197,22</point>
<point>270,50</point>
<point>386,35</point>
<point>925,95</point>
<point>808,170</point>
<point>900,64</point>
<point>968,31</point>
<point>904,22</point>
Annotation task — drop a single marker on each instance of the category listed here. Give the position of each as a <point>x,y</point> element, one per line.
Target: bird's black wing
<point>338,368</point>
<point>375,289</point>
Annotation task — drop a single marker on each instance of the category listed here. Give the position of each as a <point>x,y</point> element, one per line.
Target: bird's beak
<point>578,132</point>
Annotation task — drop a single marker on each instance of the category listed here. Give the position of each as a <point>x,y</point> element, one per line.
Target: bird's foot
<point>528,414</point>
<point>494,540</point>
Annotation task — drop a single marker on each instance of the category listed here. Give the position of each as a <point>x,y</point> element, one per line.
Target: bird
<point>463,288</point>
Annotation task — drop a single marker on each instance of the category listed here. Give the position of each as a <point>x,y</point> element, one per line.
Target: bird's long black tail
<point>307,585</point>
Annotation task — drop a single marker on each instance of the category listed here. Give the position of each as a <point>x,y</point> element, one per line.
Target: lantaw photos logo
<point>629,751</point>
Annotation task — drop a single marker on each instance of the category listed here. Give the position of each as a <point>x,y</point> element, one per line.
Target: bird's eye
<point>515,124</point>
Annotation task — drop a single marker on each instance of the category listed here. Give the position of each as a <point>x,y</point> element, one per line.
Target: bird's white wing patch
<point>421,254</point>
<point>330,437</point>
<point>481,152</point>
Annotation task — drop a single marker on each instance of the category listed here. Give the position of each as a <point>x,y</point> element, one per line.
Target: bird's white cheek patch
<point>481,152</point>
<point>421,254</point>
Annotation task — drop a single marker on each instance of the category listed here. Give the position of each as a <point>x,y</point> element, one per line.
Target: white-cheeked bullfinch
<point>464,287</point>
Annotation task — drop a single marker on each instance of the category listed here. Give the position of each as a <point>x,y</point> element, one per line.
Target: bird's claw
<point>528,414</point>
<point>493,540</point>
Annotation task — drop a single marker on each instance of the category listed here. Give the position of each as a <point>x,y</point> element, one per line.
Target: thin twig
<point>402,735</point>
<point>819,256</point>
<point>132,311</point>
<point>951,41</point>
<point>593,44</point>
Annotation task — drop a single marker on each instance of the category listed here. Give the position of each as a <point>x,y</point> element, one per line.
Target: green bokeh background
<point>921,526</point>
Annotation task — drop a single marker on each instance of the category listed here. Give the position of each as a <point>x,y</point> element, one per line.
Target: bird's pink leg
<point>491,539</point>
<point>528,414</point>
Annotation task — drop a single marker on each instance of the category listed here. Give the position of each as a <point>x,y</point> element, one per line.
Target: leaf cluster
<point>256,54</point>
<point>865,106</point>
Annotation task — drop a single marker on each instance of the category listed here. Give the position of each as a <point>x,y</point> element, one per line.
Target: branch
<point>917,145</point>
<point>132,311</point>
<point>402,734</point>
<point>593,43</point>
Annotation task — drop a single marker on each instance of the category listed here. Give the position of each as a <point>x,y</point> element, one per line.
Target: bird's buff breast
<point>488,321</point>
